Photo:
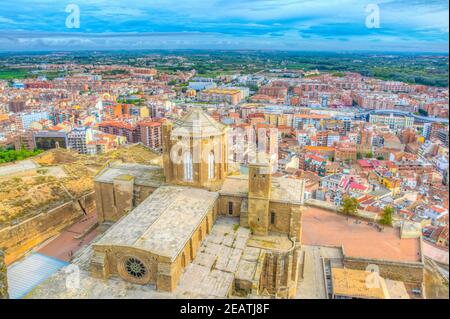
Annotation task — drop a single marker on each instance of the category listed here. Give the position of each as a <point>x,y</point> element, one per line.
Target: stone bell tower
<point>260,185</point>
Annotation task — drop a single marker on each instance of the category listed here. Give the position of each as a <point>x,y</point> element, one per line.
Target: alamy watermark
<point>73,19</point>
<point>373,17</point>
<point>244,145</point>
<point>373,279</point>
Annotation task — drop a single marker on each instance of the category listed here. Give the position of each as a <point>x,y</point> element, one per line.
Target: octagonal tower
<point>195,151</point>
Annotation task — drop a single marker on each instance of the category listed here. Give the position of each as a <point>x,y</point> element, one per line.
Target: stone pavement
<point>211,273</point>
<point>18,167</point>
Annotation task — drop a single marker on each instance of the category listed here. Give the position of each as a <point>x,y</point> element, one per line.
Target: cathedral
<point>160,217</point>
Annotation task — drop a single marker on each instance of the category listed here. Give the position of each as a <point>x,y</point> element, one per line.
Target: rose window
<point>135,267</point>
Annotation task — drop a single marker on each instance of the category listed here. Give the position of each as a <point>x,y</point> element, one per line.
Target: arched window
<point>211,165</point>
<point>187,166</point>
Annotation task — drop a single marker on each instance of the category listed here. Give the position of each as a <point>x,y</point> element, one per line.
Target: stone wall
<point>280,222</point>
<point>407,272</point>
<point>110,260</point>
<point>224,201</point>
<point>113,200</point>
<point>18,239</point>
<point>335,209</point>
<point>280,273</point>
<point>3,277</point>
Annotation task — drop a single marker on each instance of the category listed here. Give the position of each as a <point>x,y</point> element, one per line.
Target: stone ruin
<point>3,277</point>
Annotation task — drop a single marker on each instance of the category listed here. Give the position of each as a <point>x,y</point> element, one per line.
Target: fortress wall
<point>18,239</point>
<point>335,209</point>
<point>3,277</point>
<point>408,272</point>
<point>279,275</point>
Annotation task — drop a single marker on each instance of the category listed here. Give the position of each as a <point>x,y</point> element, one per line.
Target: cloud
<point>4,20</point>
<point>281,22</point>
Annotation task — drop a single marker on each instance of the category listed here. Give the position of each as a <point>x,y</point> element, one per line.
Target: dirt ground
<point>435,286</point>
<point>360,239</point>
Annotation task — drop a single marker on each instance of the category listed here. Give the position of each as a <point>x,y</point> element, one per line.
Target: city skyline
<point>396,26</point>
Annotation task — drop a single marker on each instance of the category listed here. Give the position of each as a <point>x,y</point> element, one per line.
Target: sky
<point>303,25</point>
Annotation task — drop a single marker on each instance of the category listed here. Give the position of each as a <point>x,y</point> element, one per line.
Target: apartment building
<point>150,134</point>
<point>394,122</point>
<point>221,95</point>
<point>79,138</point>
<point>120,128</point>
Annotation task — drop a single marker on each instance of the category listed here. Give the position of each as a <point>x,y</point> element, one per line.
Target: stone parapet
<point>3,277</point>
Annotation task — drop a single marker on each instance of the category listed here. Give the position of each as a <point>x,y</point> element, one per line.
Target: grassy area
<point>7,156</point>
<point>11,74</point>
<point>50,75</point>
<point>131,101</point>
<point>17,74</point>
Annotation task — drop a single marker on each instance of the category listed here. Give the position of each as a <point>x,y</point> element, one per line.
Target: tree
<point>423,112</point>
<point>349,206</point>
<point>369,155</point>
<point>386,218</point>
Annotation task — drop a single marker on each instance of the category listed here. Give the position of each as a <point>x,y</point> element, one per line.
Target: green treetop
<point>349,206</point>
<point>386,218</point>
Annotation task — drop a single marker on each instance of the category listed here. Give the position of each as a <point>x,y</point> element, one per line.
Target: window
<point>230,208</point>
<point>211,165</point>
<point>272,218</point>
<point>187,166</point>
<point>135,267</point>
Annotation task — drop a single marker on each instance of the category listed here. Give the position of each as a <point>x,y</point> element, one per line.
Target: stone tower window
<point>211,165</point>
<point>187,166</point>
<point>135,268</point>
<point>230,208</point>
<point>272,218</point>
